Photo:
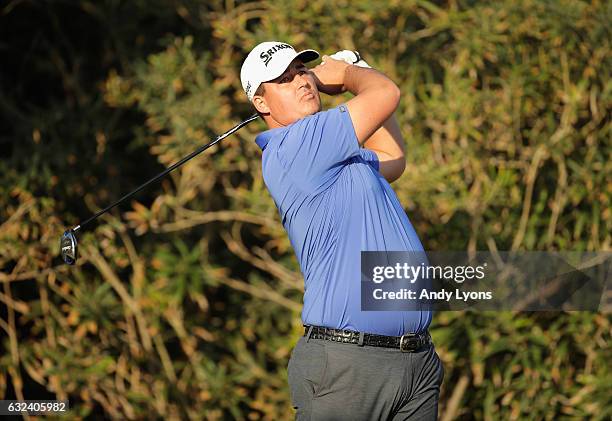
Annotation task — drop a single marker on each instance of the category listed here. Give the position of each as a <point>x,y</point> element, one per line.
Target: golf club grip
<point>167,170</point>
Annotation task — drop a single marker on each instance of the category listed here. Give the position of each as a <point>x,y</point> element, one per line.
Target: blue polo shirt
<point>334,204</point>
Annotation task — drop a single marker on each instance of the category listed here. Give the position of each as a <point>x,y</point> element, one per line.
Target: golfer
<point>329,173</point>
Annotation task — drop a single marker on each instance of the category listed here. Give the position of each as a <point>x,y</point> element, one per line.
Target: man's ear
<point>260,104</point>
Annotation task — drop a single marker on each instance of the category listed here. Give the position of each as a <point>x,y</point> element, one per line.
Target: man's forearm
<point>388,144</point>
<point>358,79</point>
<point>387,139</point>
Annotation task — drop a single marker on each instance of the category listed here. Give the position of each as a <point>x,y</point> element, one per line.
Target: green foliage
<point>186,303</point>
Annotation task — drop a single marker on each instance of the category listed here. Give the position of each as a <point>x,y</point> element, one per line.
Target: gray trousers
<point>335,381</point>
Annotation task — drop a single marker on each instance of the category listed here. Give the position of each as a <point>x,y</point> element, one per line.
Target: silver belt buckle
<point>405,345</point>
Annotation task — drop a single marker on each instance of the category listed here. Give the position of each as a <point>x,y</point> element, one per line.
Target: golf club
<point>68,241</point>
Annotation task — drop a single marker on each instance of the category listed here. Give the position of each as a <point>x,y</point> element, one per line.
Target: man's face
<point>290,97</point>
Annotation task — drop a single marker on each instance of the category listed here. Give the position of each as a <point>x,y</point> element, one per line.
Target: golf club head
<point>68,247</point>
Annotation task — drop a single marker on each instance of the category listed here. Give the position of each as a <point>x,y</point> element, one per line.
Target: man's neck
<point>272,123</point>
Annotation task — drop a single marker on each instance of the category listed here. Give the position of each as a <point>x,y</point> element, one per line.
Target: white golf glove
<point>351,57</point>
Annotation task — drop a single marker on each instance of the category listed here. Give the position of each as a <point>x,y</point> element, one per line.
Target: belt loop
<point>360,343</point>
<point>309,333</point>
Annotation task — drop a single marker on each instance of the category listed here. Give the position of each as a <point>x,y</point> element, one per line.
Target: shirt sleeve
<point>370,158</point>
<point>316,147</point>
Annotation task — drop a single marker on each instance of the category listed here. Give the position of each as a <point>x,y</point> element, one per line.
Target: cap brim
<point>308,55</point>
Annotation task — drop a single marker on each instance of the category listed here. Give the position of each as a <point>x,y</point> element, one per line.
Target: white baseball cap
<point>268,61</point>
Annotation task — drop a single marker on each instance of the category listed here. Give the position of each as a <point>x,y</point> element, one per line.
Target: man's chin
<point>315,107</point>
<point>306,111</point>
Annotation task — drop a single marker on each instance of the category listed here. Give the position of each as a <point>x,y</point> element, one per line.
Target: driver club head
<point>68,247</point>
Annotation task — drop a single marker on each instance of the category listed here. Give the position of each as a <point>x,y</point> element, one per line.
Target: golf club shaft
<point>167,170</point>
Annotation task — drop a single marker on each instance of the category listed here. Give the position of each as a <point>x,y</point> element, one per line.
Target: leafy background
<point>185,303</point>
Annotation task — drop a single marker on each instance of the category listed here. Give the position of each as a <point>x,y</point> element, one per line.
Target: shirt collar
<point>264,137</point>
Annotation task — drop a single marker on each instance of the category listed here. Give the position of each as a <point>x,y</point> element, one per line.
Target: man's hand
<point>329,75</point>
<point>351,57</point>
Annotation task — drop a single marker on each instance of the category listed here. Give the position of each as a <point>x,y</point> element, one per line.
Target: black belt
<point>409,342</point>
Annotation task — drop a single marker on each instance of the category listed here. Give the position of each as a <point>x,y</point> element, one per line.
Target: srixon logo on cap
<point>266,56</point>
